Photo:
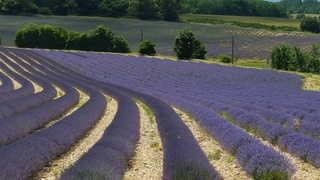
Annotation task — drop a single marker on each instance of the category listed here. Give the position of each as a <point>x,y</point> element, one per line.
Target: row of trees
<point>145,9</point>
<point>291,58</point>
<point>301,6</point>
<point>100,39</point>
<point>235,7</point>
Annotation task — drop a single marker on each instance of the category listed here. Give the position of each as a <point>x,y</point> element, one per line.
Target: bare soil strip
<point>147,162</point>
<point>55,168</point>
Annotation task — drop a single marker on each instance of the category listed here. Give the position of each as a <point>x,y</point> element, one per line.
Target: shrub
<point>147,47</point>
<point>72,41</point>
<point>120,45</point>
<point>52,37</point>
<point>187,46</point>
<point>310,24</point>
<point>199,51</point>
<point>27,36</point>
<point>100,39</point>
<point>285,57</point>
<point>225,58</point>
<point>313,60</point>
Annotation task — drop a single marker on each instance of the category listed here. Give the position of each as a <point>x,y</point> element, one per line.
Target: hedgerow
<point>100,39</point>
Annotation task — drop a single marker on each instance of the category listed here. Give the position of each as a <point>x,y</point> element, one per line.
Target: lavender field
<point>262,118</point>
<point>250,43</point>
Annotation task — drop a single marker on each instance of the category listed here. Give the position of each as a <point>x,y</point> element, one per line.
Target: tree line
<point>235,7</point>
<point>144,9</point>
<point>301,6</point>
<point>100,39</point>
<point>291,58</point>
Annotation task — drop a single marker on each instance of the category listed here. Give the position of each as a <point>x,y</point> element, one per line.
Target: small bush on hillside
<point>120,45</point>
<point>35,36</point>
<point>199,51</point>
<point>147,47</point>
<point>27,36</point>
<point>187,46</point>
<point>52,37</point>
<point>310,24</point>
<point>101,39</point>
<point>285,57</point>
<point>313,60</point>
<point>225,58</point>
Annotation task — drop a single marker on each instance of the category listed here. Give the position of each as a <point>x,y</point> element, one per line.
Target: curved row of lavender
<point>17,105</point>
<point>178,141</point>
<point>6,83</point>
<point>20,158</point>
<point>22,124</point>
<point>111,154</point>
<point>25,89</point>
<point>205,91</point>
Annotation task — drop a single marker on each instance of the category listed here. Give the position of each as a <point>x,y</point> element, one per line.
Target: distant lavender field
<point>249,42</point>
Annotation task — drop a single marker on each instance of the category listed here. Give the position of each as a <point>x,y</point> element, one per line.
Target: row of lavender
<point>109,157</point>
<point>119,140</point>
<point>207,90</point>
<point>25,147</point>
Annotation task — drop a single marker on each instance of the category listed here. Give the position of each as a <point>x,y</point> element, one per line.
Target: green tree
<point>310,24</point>
<point>18,6</point>
<point>113,8</point>
<point>313,60</point>
<point>27,36</point>
<point>52,37</point>
<point>187,46</point>
<point>143,9</point>
<point>101,39</point>
<point>120,45</point>
<point>285,57</point>
<point>147,47</point>
<point>73,41</point>
<point>87,7</point>
<point>170,9</point>
<point>199,51</point>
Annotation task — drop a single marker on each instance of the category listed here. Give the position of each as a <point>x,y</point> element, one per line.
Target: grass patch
<point>261,64</point>
<point>226,116</point>
<point>147,110</point>
<point>191,172</point>
<point>251,21</point>
<point>215,155</point>
<point>154,145</point>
